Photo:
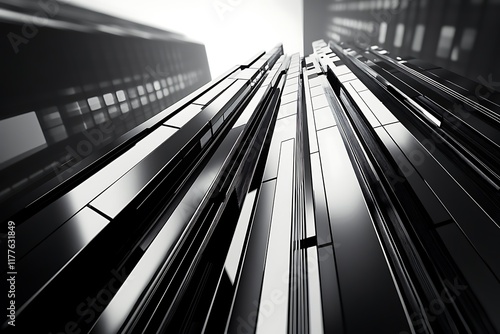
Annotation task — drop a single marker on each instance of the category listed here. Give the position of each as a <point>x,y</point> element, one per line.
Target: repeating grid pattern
<point>420,29</point>
<point>101,83</point>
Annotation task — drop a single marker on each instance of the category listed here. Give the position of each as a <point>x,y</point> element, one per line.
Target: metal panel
<point>358,85</point>
<point>360,259</point>
<point>246,74</point>
<point>314,292</point>
<point>273,310</point>
<point>291,89</point>
<point>318,90</point>
<point>324,118</point>
<point>184,116</point>
<point>374,122</point>
<point>233,257</point>
<point>250,108</point>
<point>291,97</point>
<point>323,232</point>
<point>311,127</point>
<point>284,129</point>
<point>479,277</point>
<point>41,225</point>
<point>115,198</point>
<point>41,265</point>
<point>319,101</point>
<point>161,247</point>
<point>333,321</point>
<point>210,95</point>
<point>286,110</point>
<point>476,224</point>
<point>315,82</point>
<point>344,78</point>
<point>243,317</point>
<point>379,110</point>
<point>434,208</point>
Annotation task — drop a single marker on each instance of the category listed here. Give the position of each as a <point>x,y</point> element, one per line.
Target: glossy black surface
<point>435,209</point>
<point>245,306</point>
<point>433,178</point>
<point>63,245</point>
<point>347,191</point>
<point>359,255</point>
<point>161,249</point>
<point>482,231</point>
<point>481,280</point>
<point>114,199</point>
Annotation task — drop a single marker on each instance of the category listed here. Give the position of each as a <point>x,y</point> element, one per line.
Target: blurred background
<point>232,30</point>
<point>461,35</point>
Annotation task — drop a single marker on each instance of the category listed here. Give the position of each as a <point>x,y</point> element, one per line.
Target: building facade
<point>73,81</point>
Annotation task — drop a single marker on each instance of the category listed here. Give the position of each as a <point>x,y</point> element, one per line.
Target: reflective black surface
<point>347,191</point>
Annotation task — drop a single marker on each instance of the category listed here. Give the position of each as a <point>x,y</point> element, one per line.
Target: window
<point>445,41</point>
<point>382,32</point>
<point>418,38</point>
<point>468,38</point>
<point>94,103</point>
<point>109,99</point>
<point>400,32</point>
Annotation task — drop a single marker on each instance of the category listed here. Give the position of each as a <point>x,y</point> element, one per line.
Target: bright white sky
<point>232,30</point>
